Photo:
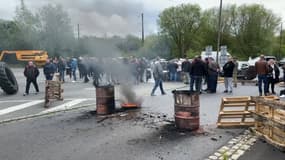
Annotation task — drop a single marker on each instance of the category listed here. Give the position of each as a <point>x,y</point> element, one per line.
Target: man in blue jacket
<point>49,70</point>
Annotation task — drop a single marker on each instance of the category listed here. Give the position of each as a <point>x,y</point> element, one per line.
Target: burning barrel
<point>105,101</point>
<point>186,109</point>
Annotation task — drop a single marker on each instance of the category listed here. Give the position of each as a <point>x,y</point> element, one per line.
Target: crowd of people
<point>101,70</point>
<point>198,71</point>
<point>136,70</point>
<point>267,74</point>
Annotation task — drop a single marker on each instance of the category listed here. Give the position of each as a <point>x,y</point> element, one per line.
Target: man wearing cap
<point>261,68</point>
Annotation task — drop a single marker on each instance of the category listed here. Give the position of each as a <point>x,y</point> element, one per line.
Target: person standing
<point>213,72</point>
<point>273,75</point>
<point>235,71</point>
<point>31,73</point>
<point>261,68</point>
<point>61,68</point>
<point>158,76</point>
<point>172,68</point>
<point>283,68</point>
<point>197,71</point>
<point>228,69</point>
<point>185,70</point>
<point>49,69</point>
<point>74,68</point>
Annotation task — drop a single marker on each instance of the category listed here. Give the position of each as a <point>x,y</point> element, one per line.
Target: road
<point>146,133</point>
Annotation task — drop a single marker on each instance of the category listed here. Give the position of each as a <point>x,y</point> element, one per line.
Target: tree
<point>129,44</point>
<point>156,45</point>
<point>56,32</point>
<point>27,23</point>
<point>181,23</point>
<point>254,27</point>
<point>9,32</point>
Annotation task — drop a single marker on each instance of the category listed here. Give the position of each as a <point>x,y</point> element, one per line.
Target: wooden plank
<point>234,124</point>
<point>238,99</point>
<point>238,105</point>
<point>236,116</point>
<point>234,112</point>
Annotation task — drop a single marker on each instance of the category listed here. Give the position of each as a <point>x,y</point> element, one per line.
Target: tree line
<point>246,30</point>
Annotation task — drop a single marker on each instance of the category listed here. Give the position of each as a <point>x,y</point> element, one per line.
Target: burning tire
<point>8,81</point>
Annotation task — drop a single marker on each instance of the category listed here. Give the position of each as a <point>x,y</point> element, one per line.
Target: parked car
<point>252,61</point>
<point>242,68</point>
<point>281,62</point>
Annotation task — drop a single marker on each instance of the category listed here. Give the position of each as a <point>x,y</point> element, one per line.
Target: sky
<point>123,17</point>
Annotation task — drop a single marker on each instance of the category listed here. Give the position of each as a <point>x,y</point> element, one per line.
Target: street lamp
<point>219,31</point>
<point>280,44</point>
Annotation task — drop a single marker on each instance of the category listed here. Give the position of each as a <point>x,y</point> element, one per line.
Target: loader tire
<point>8,81</point>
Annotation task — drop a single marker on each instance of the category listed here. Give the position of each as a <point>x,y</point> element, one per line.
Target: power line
<point>142,29</point>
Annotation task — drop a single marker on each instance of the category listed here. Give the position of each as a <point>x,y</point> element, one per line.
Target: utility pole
<point>280,45</point>
<point>142,30</point>
<point>78,31</point>
<point>219,31</point>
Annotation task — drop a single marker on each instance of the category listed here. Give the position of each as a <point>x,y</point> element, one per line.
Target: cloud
<point>122,17</point>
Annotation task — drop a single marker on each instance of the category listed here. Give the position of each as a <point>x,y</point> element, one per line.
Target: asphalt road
<point>146,133</point>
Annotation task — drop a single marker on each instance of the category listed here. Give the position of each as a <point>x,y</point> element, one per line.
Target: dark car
<point>281,62</point>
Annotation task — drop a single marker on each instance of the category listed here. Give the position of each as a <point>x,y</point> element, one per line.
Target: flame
<point>129,105</point>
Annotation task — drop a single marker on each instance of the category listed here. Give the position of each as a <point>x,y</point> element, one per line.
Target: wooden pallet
<point>237,111</point>
<point>270,121</point>
<point>53,91</point>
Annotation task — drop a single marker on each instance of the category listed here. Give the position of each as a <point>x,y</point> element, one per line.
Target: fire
<point>130,105</point>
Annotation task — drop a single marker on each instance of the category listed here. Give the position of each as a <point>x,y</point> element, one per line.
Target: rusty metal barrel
<point>186,107</point>
<point>105,99</point>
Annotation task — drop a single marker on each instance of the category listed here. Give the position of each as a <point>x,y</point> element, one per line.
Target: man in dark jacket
<point>49,70</point>
<point>61,68</point>
<point>185,69</point>
<point>213,72</point>
<point>228,69</point>
<point>172,68</point>
<point>31,72</point>
<point>197,71</point>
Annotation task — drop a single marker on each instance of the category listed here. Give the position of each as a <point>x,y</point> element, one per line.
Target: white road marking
<point>19,107</point>
<point>64,106</point>
<point>90,89</point>
<point>16,101</point>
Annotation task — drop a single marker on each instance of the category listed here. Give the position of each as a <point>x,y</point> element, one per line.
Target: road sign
<point>208,50</point>
<point>223,55</point>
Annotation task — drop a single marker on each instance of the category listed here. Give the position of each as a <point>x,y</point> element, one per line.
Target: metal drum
<point>186,108</point>
<point>105,101</point>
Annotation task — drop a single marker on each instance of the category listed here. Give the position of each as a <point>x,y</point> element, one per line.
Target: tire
<point>8,81</point>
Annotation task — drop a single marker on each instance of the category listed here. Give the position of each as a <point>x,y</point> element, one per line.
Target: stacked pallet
<point>270,121</point>
<point>53,90</point>
<point>237,111</point>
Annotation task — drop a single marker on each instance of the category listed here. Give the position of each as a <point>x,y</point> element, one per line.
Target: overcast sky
<point>122,17</point>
